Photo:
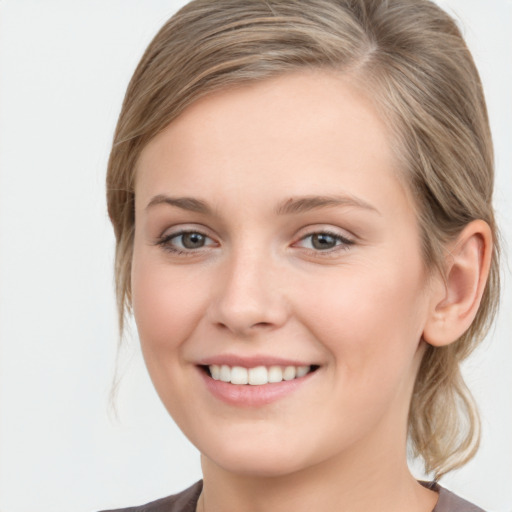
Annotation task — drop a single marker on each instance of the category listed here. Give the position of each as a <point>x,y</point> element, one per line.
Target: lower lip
<point>247,395</point>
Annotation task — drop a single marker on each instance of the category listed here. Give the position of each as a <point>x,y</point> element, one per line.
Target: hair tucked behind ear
<point>410,58</point>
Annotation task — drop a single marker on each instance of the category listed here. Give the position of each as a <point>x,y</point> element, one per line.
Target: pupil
<point>192,240</point>
<point>323,241</point>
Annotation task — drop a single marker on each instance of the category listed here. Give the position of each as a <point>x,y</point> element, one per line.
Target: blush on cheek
<point>162,308</point>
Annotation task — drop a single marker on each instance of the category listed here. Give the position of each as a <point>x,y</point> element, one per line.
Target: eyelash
<point>343,245</point>
<point>165,242</point>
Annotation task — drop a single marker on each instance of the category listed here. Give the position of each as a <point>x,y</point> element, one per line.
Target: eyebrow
<point>307,203</point>
<point>290,206</point>
<point>185,203</point>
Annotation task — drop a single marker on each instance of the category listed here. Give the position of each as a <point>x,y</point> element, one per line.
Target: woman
<point>301,194</point>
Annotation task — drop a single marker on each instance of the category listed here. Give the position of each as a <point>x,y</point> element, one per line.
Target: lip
<point>252,361</point>
<point>246,395</point>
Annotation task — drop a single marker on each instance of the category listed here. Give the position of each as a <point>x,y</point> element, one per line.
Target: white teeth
<point>239,375</point>
<point>258,375</point>
<point>302,370</point>
<point>289,373</point>
<point>225,373</point>
<point>275,374</point>
<point>215,371</point>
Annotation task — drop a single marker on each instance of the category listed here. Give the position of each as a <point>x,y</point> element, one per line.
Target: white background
<point>64,66</point>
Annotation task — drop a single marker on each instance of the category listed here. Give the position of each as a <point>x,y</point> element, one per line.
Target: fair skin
<point>301,248</point>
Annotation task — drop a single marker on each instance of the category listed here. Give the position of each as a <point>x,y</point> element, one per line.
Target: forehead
<point>285,130</point>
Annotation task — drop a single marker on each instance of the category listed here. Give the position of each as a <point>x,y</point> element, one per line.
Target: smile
<point>241,382</point>
<point>259,375</point>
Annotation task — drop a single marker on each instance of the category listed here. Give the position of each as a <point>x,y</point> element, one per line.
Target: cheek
<point>372,330</point>
<point>165,305</point>
<point>370,321</point>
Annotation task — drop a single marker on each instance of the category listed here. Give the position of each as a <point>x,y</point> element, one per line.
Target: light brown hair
<point>411,59</point>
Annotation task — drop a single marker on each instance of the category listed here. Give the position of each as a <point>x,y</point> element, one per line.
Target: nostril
<point>241,330</point>
<point>262,324</point>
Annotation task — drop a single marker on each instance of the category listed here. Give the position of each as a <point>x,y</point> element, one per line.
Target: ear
<point>456,297</point>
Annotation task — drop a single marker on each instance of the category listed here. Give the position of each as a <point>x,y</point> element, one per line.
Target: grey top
<point>449,502</point>
<point>186,501</point>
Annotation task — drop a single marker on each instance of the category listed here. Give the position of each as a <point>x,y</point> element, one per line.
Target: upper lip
<point>250,362</point>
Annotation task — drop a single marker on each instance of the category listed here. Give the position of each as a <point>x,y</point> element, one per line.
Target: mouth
<point>255,381</point>
<point>257,375</point>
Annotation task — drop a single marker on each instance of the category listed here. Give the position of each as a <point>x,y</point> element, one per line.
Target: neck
<point>355,482</point>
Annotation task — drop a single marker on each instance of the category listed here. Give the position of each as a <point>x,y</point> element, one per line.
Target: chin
<point>261,465</point>
<point>259,458</point>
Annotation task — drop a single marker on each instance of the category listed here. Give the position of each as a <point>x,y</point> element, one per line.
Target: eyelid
<point>327,229</point>
<point>345,240</point>
<point>165,240</point>
<point>181,228</point>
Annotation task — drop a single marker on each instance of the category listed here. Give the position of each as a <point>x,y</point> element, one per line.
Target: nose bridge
<point>249,296</point>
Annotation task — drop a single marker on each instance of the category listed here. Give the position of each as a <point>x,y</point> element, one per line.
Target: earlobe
<point>456,298</point>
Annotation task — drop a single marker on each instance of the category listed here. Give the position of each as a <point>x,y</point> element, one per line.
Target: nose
<point>249,297</point>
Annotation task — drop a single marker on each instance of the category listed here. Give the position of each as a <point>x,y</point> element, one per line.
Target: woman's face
<point>272,239</point>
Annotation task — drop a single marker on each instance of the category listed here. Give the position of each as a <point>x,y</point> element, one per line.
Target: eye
<point>190,240</point>
<point>324,241</point>
<point>185,241</point>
